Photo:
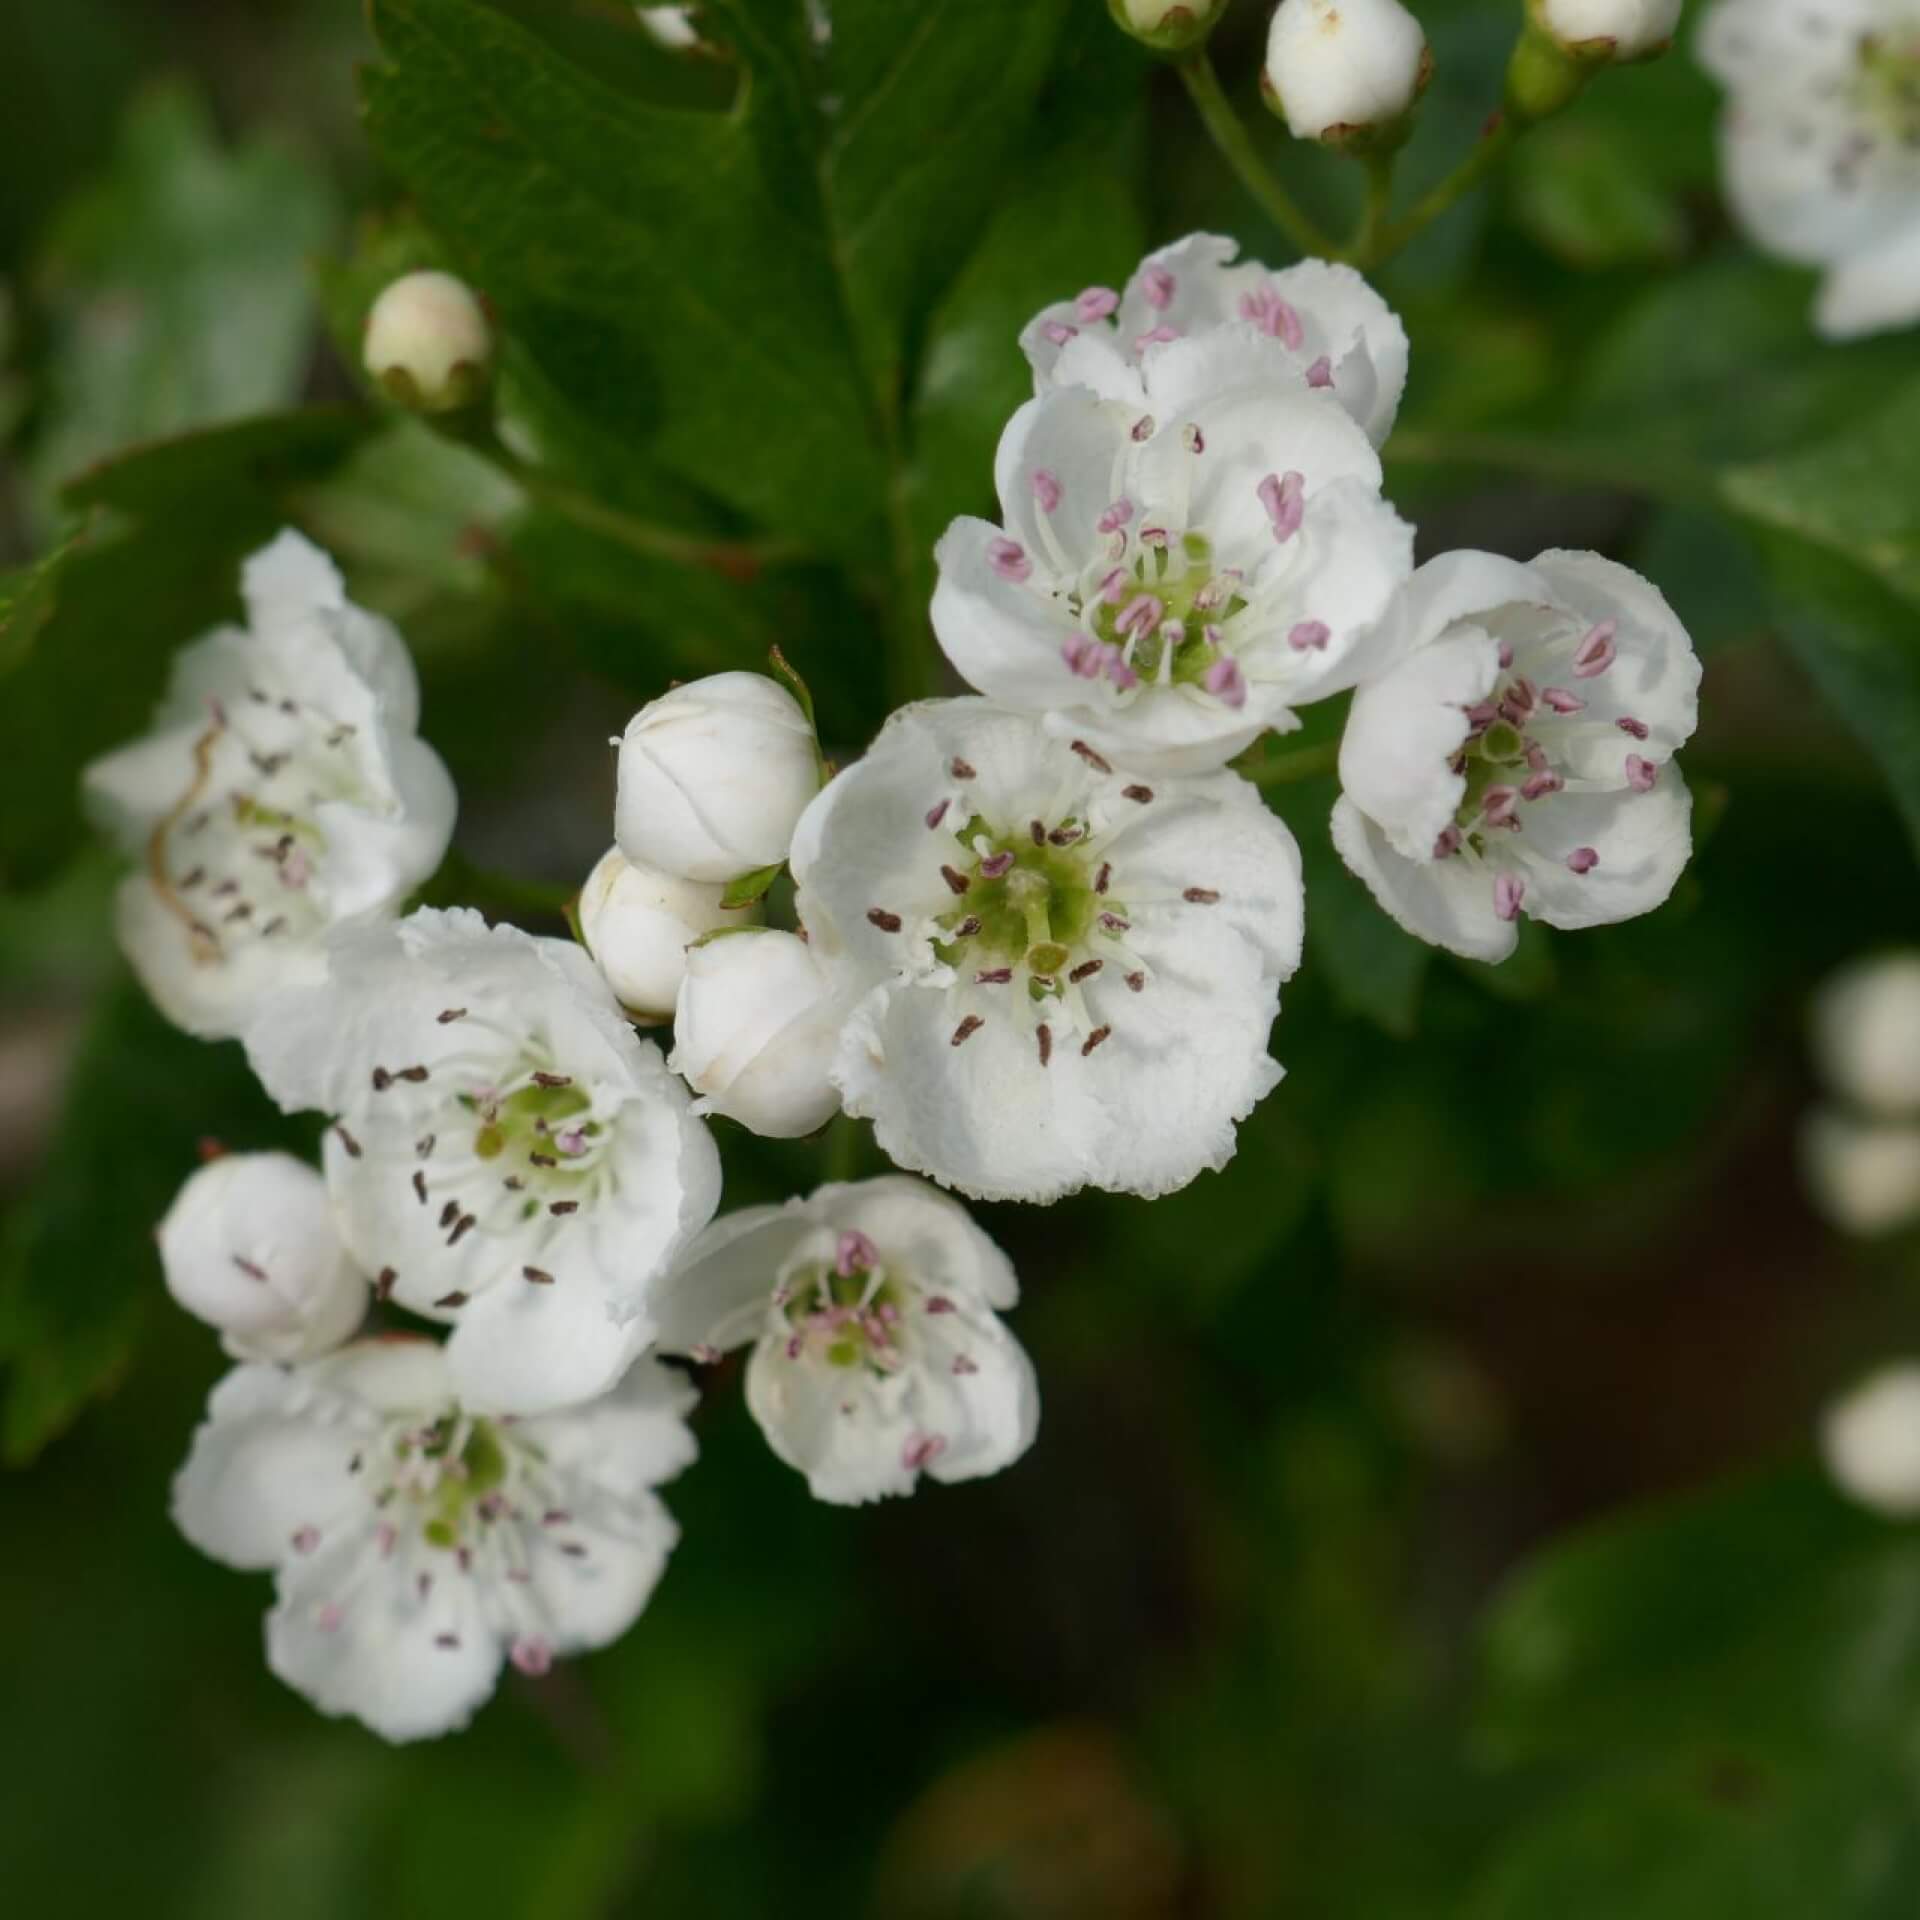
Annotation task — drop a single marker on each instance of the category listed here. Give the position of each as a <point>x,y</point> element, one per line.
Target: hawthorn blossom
<point>283,792</point>
<point>418,1546</point>
<point>250,1246</point>
<point>1820,146</point>
<point>1169,584</point>
<point>506,1154</point>
<point>1515,756</point>
<point>1337,334</point>
<point>428,342</point>
<point>638,925</point>
<point>1059,973</point>
<point>1613,30</point>
<point>878,1352</point>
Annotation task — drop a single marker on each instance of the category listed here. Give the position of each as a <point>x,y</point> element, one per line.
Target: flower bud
<point>1866,1034</point>
<point>1345,72</point>
<point>755,1030</point>
<point>1871,1440</point>
<point>1863,1175</point>
<point>250,1247</point>
<point>428,343</point>
<point>638,925</point>
<point>713,776</point>
<point>1608,30</point>
<point>1167,26</point>
<point>671,27</point>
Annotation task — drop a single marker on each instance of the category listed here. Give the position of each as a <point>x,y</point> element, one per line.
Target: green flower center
<point>1890,83</point>
<point>545,1125</point>
<point>465,1478</point>
<point>851,1320</point>
<point>1177,576</point>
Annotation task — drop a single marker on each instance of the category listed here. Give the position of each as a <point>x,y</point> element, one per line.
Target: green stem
<point>844,1144</point>
<point>1303,763</point>
<point>1654,476</point>
<point>1373,213</point>
<point>1229,134</point>
<point>739,559</point>
<point>1494,145</point>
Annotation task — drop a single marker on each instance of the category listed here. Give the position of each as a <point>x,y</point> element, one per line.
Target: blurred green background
<point>1422,1521</point>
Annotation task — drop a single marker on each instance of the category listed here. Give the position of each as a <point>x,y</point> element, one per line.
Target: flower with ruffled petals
<point>1169,584</point>
<point>1820,146</point>
<point>1515,757</point>
<point>878,1351</point>
<point>1336,333</point>
<point>1060,973</point>
<point>284,791</point>
<point>418,1547</point>
<point>507,1154</point>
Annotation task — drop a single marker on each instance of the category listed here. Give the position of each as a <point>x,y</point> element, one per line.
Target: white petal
<point>1004,637</point>
<point>1404,728</point>
<point>590,1599</point>
<point>1873,289</point>
<point>1192,372</point>
<point>374,860</point>
<point>1344,318</point>
<point>848,1437</point>
<point>1202,292</point>
<point>1078,439</point>
<point>717,1296</point>
<point>1643,840</point>
<point>631,1439</point>
<point>259,1470</point>
<point>527,1348</point>
<point>925,1232</point>
<point>1447,903</point>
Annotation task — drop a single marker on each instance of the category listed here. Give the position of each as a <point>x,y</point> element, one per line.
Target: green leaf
<point>746,888</point>
<point>27,600</point>
<point>1856,493</point>
<point>174,289</point>
<point>1860,646</point>
<point>1583,197</point>
<point>1711,1707</point>
<point>78,1275</point>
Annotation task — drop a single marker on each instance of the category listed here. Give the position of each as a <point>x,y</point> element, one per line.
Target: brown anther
<point>993,977</point>
<point>348,1141</point>
<point>1200,896</point>
<point>244,911</point>
<point>1066,836</point>
<point>563,1206</point>
<point>460,1228</point>
<point>450,1213</point>
<point>937,813</point>
<point>1044,1034</point>
<point>383,1287</point>
<point>885,921</point>
<point>1137,981</point>
<point>1141,794</point>
<point>1094,760</point>
<point>1086,970</point>
<point>1094,1039</point>
<point>957,882</point>
<point>414,1074</point>
<point>1103,877</point>
<point>552,1080</point>
<point>424,1145</point>
<point>382,1079</point>
<point>543,1160</point>
<point>538,1275</point>
<point>452,1014</point>
<point>966,1030</point>
<point>1038,831</point>
<point>247,1267</point>
<point>420,1185</point>
<point>960,770</point>
<point>454,1299</point>
<point>967,928</point>
<point>191,881</point>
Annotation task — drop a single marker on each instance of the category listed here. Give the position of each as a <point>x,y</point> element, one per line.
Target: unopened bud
<point>1866,1034</point>
<point>755,1031</point>
<point>428,343</point>
<point>1167,26</point>
<point>1345,72</point>
<point>638,925</point>
<point>1603,31</point>
<point>1871,1440</point>
<point>713,776</point>
<point>250,1247</point>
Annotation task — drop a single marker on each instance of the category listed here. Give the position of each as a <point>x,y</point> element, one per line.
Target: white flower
<point>1866,1034</point>
<point>282,792</point>
<point>712,777</point>
<point>673,27</point>
<point>1514,757</point>
<point>755,1030</point>
<point>1060,974</point>
<point>1863,1175</point>
<point>428,343</point>
<point>878,1353</point>
<point>1170,583</point>
<point>417,1546</point>
<point>1820,145</point>
<point>1339,68</point>
<point>1339,335</point>
<point>1620,29</point>
<point>1871,1440</point>
<point>250,1247</point>
<point>638,925</point>
<point>507,1154</point>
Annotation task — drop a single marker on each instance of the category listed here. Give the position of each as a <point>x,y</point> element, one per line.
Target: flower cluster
<point>1038,937</point>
